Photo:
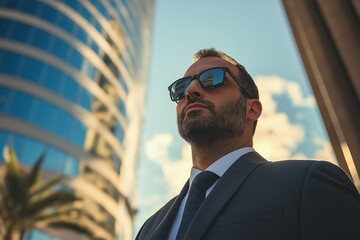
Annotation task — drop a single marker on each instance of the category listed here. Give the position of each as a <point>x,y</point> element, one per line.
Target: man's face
<point>207,115</point>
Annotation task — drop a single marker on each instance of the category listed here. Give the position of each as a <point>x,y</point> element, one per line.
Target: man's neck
<point>203,155</point>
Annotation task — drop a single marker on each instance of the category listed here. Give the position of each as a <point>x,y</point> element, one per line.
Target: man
<point>249,197</point>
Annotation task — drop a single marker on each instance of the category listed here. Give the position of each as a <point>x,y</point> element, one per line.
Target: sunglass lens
<point>212,78</point>
<point>178,88</point>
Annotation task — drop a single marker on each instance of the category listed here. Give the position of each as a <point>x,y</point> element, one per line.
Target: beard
<point>226,122</point>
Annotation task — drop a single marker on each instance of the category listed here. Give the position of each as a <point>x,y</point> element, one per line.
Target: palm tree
<point>28,202</point>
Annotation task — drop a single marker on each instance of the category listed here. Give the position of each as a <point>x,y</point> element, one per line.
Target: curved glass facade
<point>72,81</point>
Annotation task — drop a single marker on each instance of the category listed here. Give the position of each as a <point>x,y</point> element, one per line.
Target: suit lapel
<point>228,184</point>
<point>163,228</point>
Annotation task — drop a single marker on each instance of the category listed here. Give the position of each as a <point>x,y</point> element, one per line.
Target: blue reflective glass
<point>71,166</point>
<point>65,23</point>
<point>18,144</point>
<point>48,13</point>
<point>44,115</point>
<point>4,139</point>
<point>121,107</point>
<point>53,79</point>
<point>94,46</point>
<point>54,160</point>
<point>4,26</point>
<point>2,57</point>
<point>20,32</point>
<point>91,71</point>
<point>31,69</point>
<point>60,48</point>
<point>97,25</point>
<point>77,134</point>
<point>63,124</point>
<point>4,99</point>
<point>85,99</point>
<point>114,6</point>
<point>9,62</point>
<point>123,84</point>
<point>20,105</point>
<point>32,151</point>
<point>80,34</point>
<point>84,12</point>
<point>70,89</point>
<point>40,39</point>
<point>29,6</point>
<point>73,4</point>
<point>28,151</point>
<point>97,4</point>
<point>9,3</point>
<point>75,58</point>
<point>119,132</point>
<point>37,235</point>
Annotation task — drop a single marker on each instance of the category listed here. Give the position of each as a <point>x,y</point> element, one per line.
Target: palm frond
<point>14,177</point>
<point>34,176</point>
<point>48,185</point>
<point>26,201</point>
<point>49,216</point>
<point>58,198</point>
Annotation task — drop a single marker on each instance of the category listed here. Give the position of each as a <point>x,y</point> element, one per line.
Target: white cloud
<point>157,147</point>
<point>276,136</point>
<point>296,95</point>
<point>175,171</point>
<point>299,155</point>
<point>317,140</point>
<point>274,85</point>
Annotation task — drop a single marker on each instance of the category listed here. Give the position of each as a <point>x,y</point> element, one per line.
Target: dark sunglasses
<point>209,79</point>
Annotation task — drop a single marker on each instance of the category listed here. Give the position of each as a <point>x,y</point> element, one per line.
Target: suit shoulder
<point>289,165</point>
<point>306,164</point>
<point>312,171</point>
<point>305,168</point>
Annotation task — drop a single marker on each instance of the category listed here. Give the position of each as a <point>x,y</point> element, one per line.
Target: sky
<point>257,34</point>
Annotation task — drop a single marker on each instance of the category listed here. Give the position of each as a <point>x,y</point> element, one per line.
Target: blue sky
<point>257,34</point>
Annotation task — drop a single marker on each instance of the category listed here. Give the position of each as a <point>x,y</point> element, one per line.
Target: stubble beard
<point>204,128</point>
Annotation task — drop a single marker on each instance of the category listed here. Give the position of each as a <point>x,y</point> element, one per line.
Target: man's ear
<point>254,109</point>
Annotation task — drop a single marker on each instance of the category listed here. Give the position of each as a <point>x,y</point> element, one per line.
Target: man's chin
<point>195,115</point>
<point>200,138</point>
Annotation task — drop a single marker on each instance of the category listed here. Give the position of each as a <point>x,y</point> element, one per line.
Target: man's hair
<point>247,80</point>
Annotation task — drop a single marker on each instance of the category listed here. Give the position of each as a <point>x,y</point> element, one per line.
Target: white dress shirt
<point>219,167</point>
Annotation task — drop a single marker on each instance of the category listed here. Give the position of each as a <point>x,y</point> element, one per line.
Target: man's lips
<point>194,106</point>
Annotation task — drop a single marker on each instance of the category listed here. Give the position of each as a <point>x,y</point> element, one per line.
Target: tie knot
<point>204,180</point>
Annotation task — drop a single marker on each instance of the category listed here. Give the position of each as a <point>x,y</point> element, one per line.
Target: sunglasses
<point>209,79</point>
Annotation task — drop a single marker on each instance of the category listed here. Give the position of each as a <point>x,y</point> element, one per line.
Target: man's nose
<point>194,90</point>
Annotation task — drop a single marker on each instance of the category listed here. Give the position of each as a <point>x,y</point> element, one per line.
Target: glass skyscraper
<point>72,83</point>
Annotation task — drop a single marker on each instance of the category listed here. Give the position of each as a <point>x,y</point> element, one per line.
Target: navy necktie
<point>197,193</point>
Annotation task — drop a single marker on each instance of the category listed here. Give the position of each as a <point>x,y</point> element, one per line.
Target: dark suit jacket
<point>257,199</point>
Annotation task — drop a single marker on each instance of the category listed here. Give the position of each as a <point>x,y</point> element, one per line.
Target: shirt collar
<point>221,165</point>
